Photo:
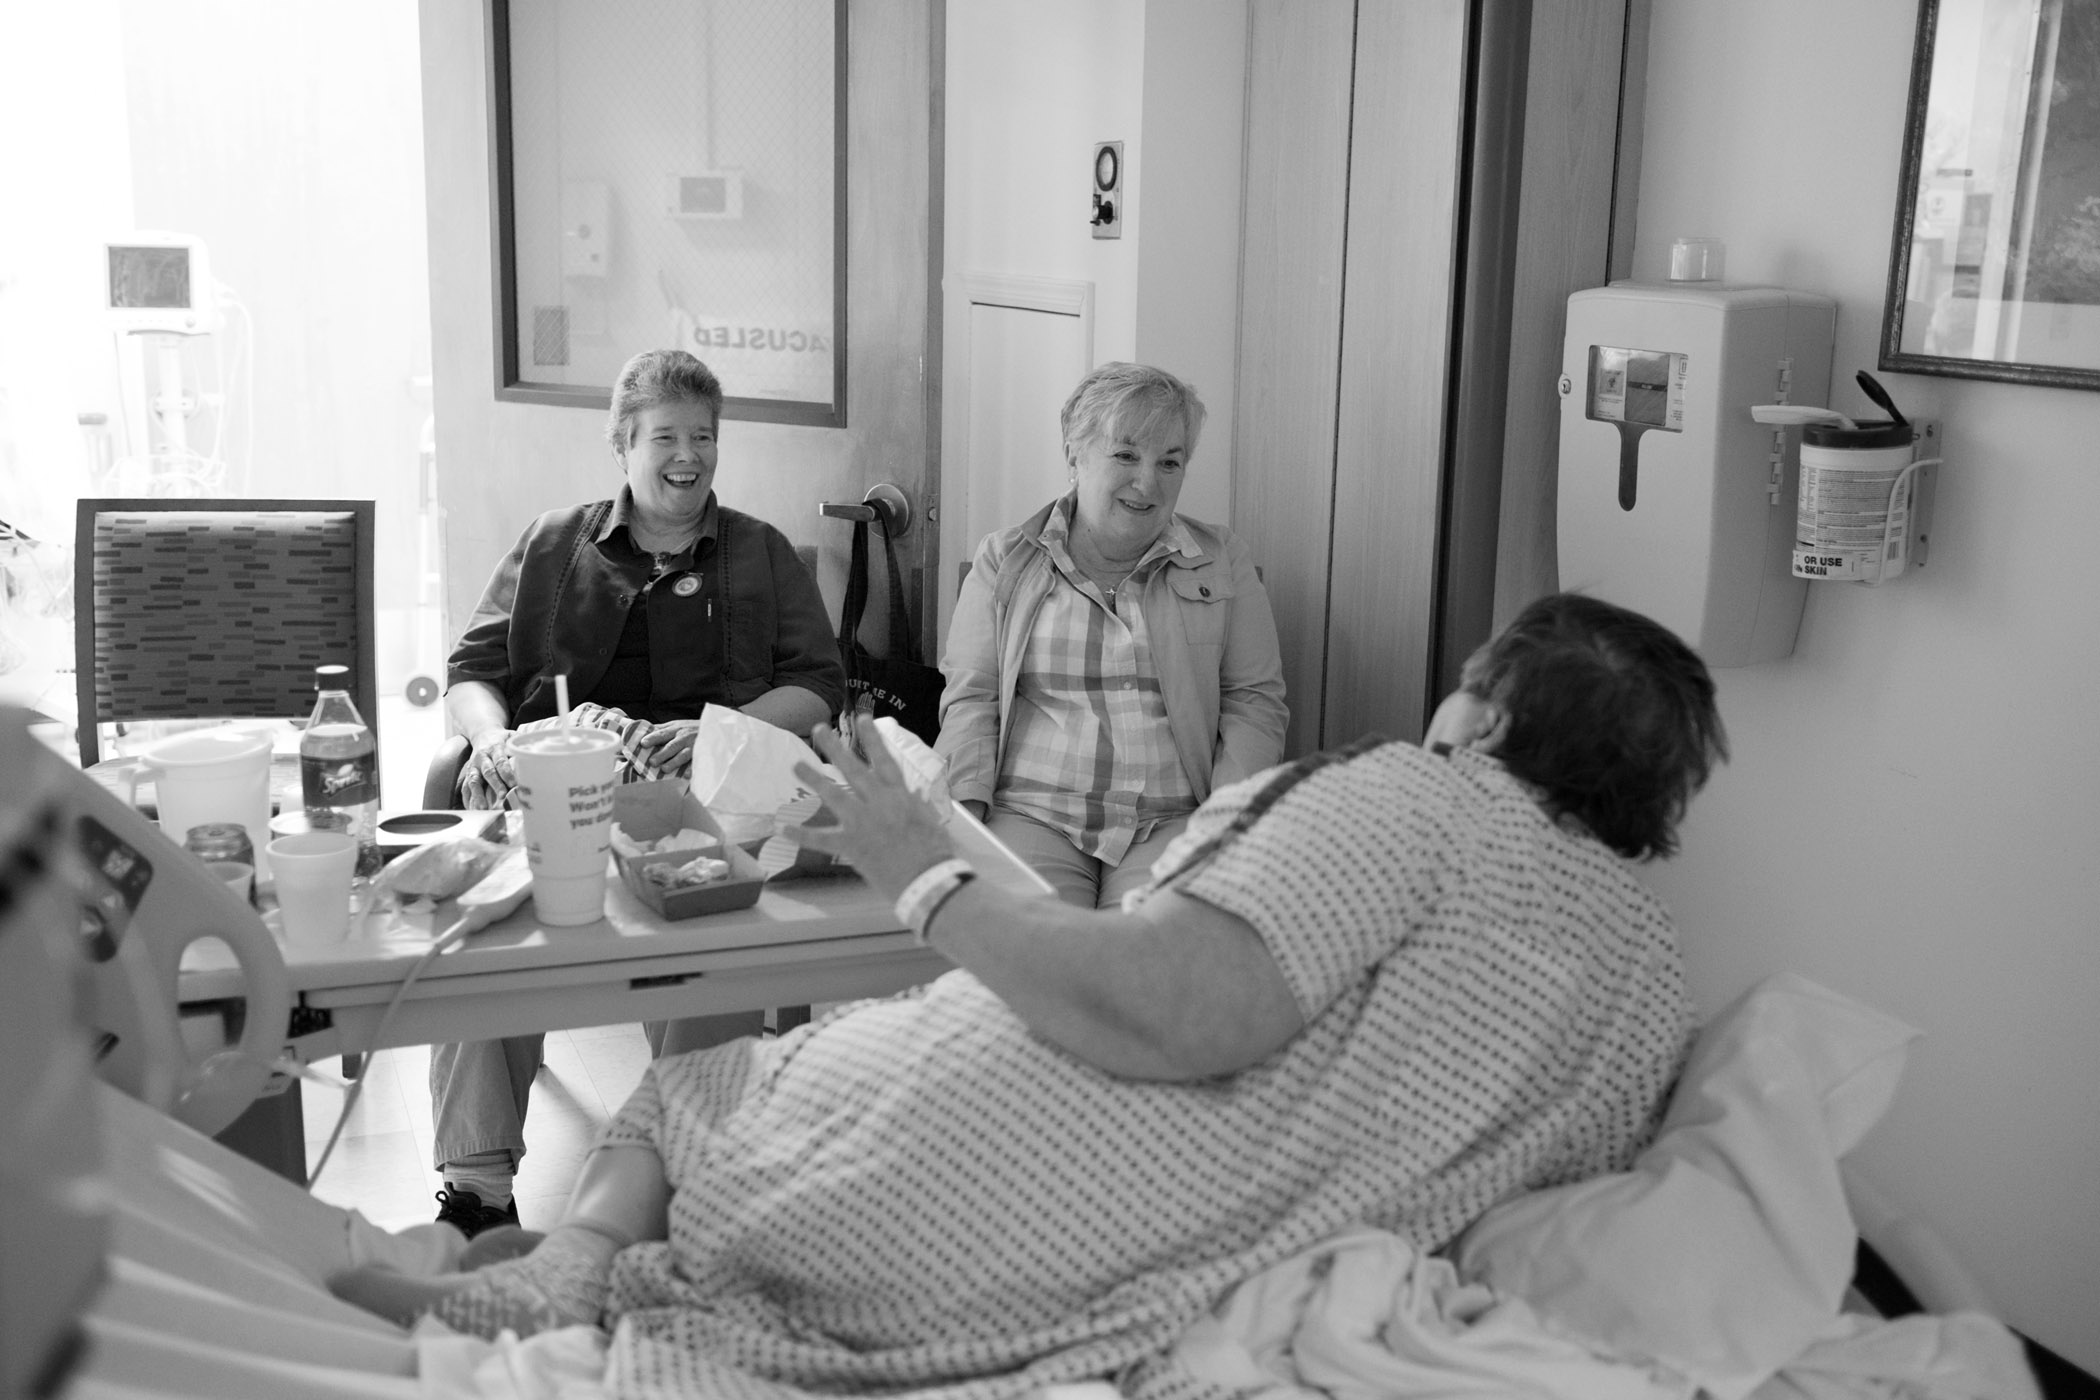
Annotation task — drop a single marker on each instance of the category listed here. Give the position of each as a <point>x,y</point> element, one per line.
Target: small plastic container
<point>1697,259</point>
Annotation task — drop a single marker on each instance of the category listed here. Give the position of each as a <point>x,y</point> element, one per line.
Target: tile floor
<point>382,1168</point>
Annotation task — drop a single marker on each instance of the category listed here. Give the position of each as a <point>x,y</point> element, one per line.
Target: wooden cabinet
<point>1407,234</point>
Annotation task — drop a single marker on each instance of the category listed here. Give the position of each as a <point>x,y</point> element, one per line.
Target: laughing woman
<point>655,604</point>
<point>1110,663</point>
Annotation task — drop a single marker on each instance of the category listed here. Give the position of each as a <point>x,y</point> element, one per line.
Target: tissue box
<point>652,811</point>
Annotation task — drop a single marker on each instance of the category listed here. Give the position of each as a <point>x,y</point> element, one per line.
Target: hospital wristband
<point>928,891</point>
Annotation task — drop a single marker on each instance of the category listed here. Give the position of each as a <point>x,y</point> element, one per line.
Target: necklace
<point>1108,578</point>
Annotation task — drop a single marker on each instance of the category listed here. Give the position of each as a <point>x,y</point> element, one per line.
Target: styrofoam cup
<point>313,871</point>
<point>565,792</point>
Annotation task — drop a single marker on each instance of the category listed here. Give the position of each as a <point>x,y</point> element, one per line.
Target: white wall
<point>1912,809</point>
<point>1031,88</point>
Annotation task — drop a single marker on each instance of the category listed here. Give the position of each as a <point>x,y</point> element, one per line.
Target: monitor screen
<point>147,277</point>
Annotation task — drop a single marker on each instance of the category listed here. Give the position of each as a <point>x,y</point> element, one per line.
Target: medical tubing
<point>452,936</point>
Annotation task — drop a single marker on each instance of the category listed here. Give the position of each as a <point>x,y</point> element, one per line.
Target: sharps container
<point>1852,517</point>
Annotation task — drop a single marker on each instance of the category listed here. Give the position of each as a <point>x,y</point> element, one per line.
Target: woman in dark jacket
<point>654,604</point>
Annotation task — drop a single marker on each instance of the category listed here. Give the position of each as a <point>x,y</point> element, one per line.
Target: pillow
<point>1727,1249</point>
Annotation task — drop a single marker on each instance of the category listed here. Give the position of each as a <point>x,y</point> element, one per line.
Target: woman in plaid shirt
<point>1110,663</point>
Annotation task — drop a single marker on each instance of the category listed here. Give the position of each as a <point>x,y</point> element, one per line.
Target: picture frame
<point>633,205</point>
<point>1995,268</point>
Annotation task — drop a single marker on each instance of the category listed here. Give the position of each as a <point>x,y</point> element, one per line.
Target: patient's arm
<point>1178,989</point>
<point>620,1198</point>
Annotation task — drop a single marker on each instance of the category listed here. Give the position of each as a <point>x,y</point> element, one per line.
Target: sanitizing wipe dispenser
<point>1673,501</point>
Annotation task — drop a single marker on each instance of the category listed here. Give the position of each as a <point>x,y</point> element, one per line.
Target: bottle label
<point>339,782</point>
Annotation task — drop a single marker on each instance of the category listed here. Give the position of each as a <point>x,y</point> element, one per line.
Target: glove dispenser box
<point>1673,501</point>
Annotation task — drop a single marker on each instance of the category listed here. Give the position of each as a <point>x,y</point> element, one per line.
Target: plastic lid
<point>331,677</point>
<point>1877,432</point>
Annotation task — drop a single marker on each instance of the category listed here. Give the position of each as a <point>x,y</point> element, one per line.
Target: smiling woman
<point>1110,662</point>
<point>653,605</point>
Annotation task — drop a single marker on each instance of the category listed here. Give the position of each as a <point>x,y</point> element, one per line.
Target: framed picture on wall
<point>1995,271</point>
<point>671,176</point>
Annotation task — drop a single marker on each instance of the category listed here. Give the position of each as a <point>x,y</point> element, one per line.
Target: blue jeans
<point>479,1089</point>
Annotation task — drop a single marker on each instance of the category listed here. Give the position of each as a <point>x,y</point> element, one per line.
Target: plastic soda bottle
<point>339,767</point>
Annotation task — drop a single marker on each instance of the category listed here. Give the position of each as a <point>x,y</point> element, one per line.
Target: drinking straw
<point>561,697</point>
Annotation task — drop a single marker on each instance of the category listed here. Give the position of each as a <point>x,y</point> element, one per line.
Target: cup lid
<point>1872,433</point>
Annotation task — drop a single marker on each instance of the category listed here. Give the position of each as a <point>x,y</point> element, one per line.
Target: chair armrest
<point>441,782</point>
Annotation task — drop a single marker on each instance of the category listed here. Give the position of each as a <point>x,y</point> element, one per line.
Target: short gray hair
<point>657,377</point>
<point>1129,401</point>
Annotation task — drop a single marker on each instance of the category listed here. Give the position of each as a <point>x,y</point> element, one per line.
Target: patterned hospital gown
<point>918,1195</point>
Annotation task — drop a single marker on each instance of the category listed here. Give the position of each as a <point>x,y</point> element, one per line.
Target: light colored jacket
<point>1213,643</point>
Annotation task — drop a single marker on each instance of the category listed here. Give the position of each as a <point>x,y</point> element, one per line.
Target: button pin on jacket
<point>686,587</point>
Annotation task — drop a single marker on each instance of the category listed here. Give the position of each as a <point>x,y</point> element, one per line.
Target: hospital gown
<point>918,1194</point>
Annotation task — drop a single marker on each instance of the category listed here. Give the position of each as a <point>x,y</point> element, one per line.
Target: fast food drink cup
<point>313,871</point>
<point>565,792</point>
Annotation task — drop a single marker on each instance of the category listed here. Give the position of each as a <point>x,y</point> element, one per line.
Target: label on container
<point>1846,521</point>
<point>339,782</point>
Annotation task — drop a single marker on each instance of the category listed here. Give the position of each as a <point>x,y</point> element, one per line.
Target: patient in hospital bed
<point>1390,985</point>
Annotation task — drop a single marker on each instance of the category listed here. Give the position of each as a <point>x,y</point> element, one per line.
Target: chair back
<point>219,609</point>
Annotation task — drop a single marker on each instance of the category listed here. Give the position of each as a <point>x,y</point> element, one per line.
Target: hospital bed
<point>139,1257</point>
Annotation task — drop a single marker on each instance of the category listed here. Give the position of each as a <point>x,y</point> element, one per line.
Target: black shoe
<point>464,1212</point>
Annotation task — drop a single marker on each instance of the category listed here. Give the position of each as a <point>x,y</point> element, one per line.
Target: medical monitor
<point>160,283</point>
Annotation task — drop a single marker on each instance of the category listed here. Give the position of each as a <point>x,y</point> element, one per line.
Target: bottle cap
<point>331,677</point>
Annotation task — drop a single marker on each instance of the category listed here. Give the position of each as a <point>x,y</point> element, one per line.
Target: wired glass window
<point>672,174</point>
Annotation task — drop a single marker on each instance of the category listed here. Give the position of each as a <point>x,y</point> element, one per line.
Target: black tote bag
<point>901,686</point>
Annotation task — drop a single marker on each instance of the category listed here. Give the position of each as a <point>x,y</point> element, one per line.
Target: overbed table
<point>816,939</point>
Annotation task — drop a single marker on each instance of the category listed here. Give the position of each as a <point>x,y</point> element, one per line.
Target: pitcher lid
<point>228,741</point>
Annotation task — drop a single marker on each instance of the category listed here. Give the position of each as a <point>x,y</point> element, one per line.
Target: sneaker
<point>464,1212</point>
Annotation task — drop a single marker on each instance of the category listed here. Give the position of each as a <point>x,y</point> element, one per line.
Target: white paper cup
<point>238,875</point>
<point>565,791</point>
<point>313,873</point>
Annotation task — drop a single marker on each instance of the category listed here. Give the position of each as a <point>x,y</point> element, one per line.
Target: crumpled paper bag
<point>744,771</point>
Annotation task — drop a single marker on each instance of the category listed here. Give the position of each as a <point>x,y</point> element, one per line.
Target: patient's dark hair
<point>1610,716</point>
<point>659,377</point>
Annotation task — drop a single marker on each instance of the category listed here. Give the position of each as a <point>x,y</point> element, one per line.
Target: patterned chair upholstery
<point>209,609</point>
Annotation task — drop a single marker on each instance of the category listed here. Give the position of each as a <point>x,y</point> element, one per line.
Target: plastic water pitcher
<point>212,775</point>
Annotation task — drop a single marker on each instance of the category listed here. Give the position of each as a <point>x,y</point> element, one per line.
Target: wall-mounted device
<point>1107,218</point>
<point>1673,500</point>
<point>160,284</point>
<point>585,205</point>
<point>704,195</point>
<point>1864,506</point>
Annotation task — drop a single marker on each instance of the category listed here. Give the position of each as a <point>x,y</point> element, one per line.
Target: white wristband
<point>928,890</point>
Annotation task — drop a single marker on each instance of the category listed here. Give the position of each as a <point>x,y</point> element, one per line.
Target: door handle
<point>885,502</point>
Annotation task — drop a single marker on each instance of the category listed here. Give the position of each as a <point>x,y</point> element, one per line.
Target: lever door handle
<point>885,502</point>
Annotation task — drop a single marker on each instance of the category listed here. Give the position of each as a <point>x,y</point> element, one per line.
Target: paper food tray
<point>652,811</point>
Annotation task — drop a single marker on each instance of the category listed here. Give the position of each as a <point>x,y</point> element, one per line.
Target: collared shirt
<point>1090,751</point>
<point>668,661</point>
<point>750,616</point>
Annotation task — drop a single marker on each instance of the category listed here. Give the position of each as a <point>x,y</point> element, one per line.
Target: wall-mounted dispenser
<point>1673,500</point>
<point>1864,507</point>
